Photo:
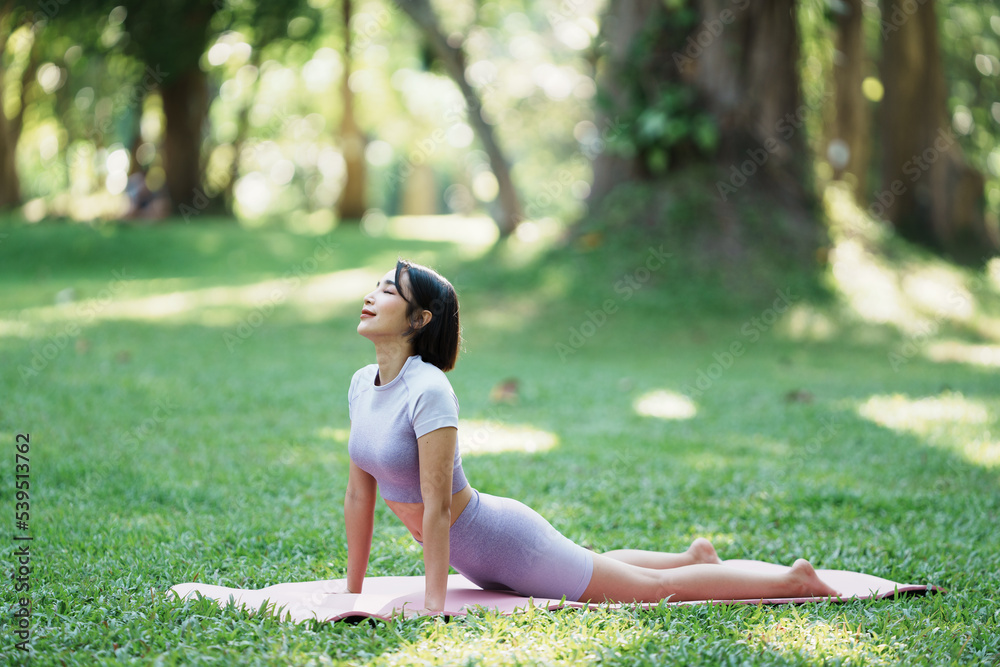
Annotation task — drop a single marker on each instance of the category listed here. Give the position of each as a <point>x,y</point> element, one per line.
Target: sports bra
<point>387,420</point>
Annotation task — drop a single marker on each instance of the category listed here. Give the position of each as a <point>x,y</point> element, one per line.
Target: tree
<point>172,61</point>
<point>11,18</point>
<point>710,88</point>
<point>169,39</point>
<point>929,192</point>
<point>453,59</point>
<point>352,202</point>
<point>848,145</point>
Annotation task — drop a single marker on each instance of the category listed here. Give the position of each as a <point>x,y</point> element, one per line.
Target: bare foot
<point>702,551</point>
<point>807,583</point>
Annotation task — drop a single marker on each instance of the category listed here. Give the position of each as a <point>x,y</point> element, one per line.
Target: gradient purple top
<point>386,421</point>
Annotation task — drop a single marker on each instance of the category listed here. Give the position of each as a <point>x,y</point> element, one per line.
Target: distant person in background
<point>145,204</point>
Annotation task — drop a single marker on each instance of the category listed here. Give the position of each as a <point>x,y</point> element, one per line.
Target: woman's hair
<point>437,342</point>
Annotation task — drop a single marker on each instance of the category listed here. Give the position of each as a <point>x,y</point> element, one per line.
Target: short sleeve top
<point>387,420</point>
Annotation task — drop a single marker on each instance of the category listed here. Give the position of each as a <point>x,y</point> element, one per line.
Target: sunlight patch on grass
<point>490,437</point>
<point>804,322</point>
<point>915,296</point>
<point>316,297</point>
<point>795,636</point>
<point>950,420</point>
<point>15,329</point>
<point>532,637</point>
<point>530,240</point>
<point>983,451</point>
<point>876,292</point>
<point>993,271</point>
<point>987,356</point>
<point>901,412</point>
<point>938,289</point>
<point>474,234</point>
<point>664,404</point>
<point>506,315</point>
<point>868,287</point>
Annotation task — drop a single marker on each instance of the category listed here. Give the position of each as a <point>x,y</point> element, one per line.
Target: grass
<point>203,437</point>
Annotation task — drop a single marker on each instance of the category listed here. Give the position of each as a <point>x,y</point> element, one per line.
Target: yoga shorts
<point>499,543</point>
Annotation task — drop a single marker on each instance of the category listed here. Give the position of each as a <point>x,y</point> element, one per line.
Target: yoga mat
<point>384,597</point>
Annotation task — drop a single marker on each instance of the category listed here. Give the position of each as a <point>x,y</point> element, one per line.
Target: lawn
<point>184,389</point>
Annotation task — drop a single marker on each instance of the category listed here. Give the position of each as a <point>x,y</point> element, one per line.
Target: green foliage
<point>664,116</point>
<point>670,120</point>
<point>137,28</point>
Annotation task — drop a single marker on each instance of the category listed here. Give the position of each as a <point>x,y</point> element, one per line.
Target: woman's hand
<point>416,612</point>
<point>337,587</point>
<point>432,606</point>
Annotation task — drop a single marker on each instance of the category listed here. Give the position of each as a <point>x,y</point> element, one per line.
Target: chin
<point>364,330</point>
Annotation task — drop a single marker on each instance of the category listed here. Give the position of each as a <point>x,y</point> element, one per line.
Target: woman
<point>404,419</point>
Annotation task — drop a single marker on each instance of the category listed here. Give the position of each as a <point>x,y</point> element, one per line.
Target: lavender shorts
<point>499,543</point>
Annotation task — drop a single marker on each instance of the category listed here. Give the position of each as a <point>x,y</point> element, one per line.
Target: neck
<point>391,356</point>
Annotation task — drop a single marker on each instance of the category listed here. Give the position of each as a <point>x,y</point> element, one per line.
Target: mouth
<point>366,313</point>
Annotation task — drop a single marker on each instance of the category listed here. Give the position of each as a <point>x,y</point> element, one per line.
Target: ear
<point>422,320</point>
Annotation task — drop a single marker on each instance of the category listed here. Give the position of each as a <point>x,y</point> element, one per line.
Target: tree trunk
<point>749,79</point>
<point>704,97</point>
<point>618,30</point>
<point>10,184</point>
<point>10,129</point>
<point>185,106</point>
<point>929,193</point>
<point>848,133</point>
<point>739,65</point>
<point>352,203</point>
<point>422,14</point>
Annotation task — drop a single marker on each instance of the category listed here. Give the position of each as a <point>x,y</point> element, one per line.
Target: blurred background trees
<point>725,119</point>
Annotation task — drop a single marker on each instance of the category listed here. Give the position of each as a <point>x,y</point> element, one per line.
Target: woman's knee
<point>621,582</point>
<point>666,586</point>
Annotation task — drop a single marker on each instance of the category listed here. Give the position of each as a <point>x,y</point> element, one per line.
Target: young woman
<point>404,433</point>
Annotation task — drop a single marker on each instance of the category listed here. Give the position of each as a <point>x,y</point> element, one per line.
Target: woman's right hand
<point>338,587</point>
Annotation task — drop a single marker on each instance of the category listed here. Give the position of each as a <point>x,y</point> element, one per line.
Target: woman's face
<point>384,311</point>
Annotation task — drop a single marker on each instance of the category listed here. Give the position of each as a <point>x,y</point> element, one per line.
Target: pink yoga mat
<point>384,597</point>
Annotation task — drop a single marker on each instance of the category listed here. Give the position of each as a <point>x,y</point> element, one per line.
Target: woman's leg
<point>700,551</point>
<point>617,581</point>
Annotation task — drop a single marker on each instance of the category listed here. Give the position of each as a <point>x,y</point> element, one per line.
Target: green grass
<point>163,452</point>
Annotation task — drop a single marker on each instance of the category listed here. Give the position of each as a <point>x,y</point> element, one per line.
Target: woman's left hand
<point>413,612</point>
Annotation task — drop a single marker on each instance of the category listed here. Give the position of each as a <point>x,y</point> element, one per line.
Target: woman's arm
<point>359,519</point>
<point>437,459</point>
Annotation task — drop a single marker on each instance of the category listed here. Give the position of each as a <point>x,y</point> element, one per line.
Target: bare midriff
<point>412,514</point>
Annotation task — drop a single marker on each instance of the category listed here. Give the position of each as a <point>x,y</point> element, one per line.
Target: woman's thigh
<point>503,543</point>
<point>617,581</point>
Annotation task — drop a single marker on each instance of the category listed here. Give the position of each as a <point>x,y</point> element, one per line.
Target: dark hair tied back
<point>438,341</point>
